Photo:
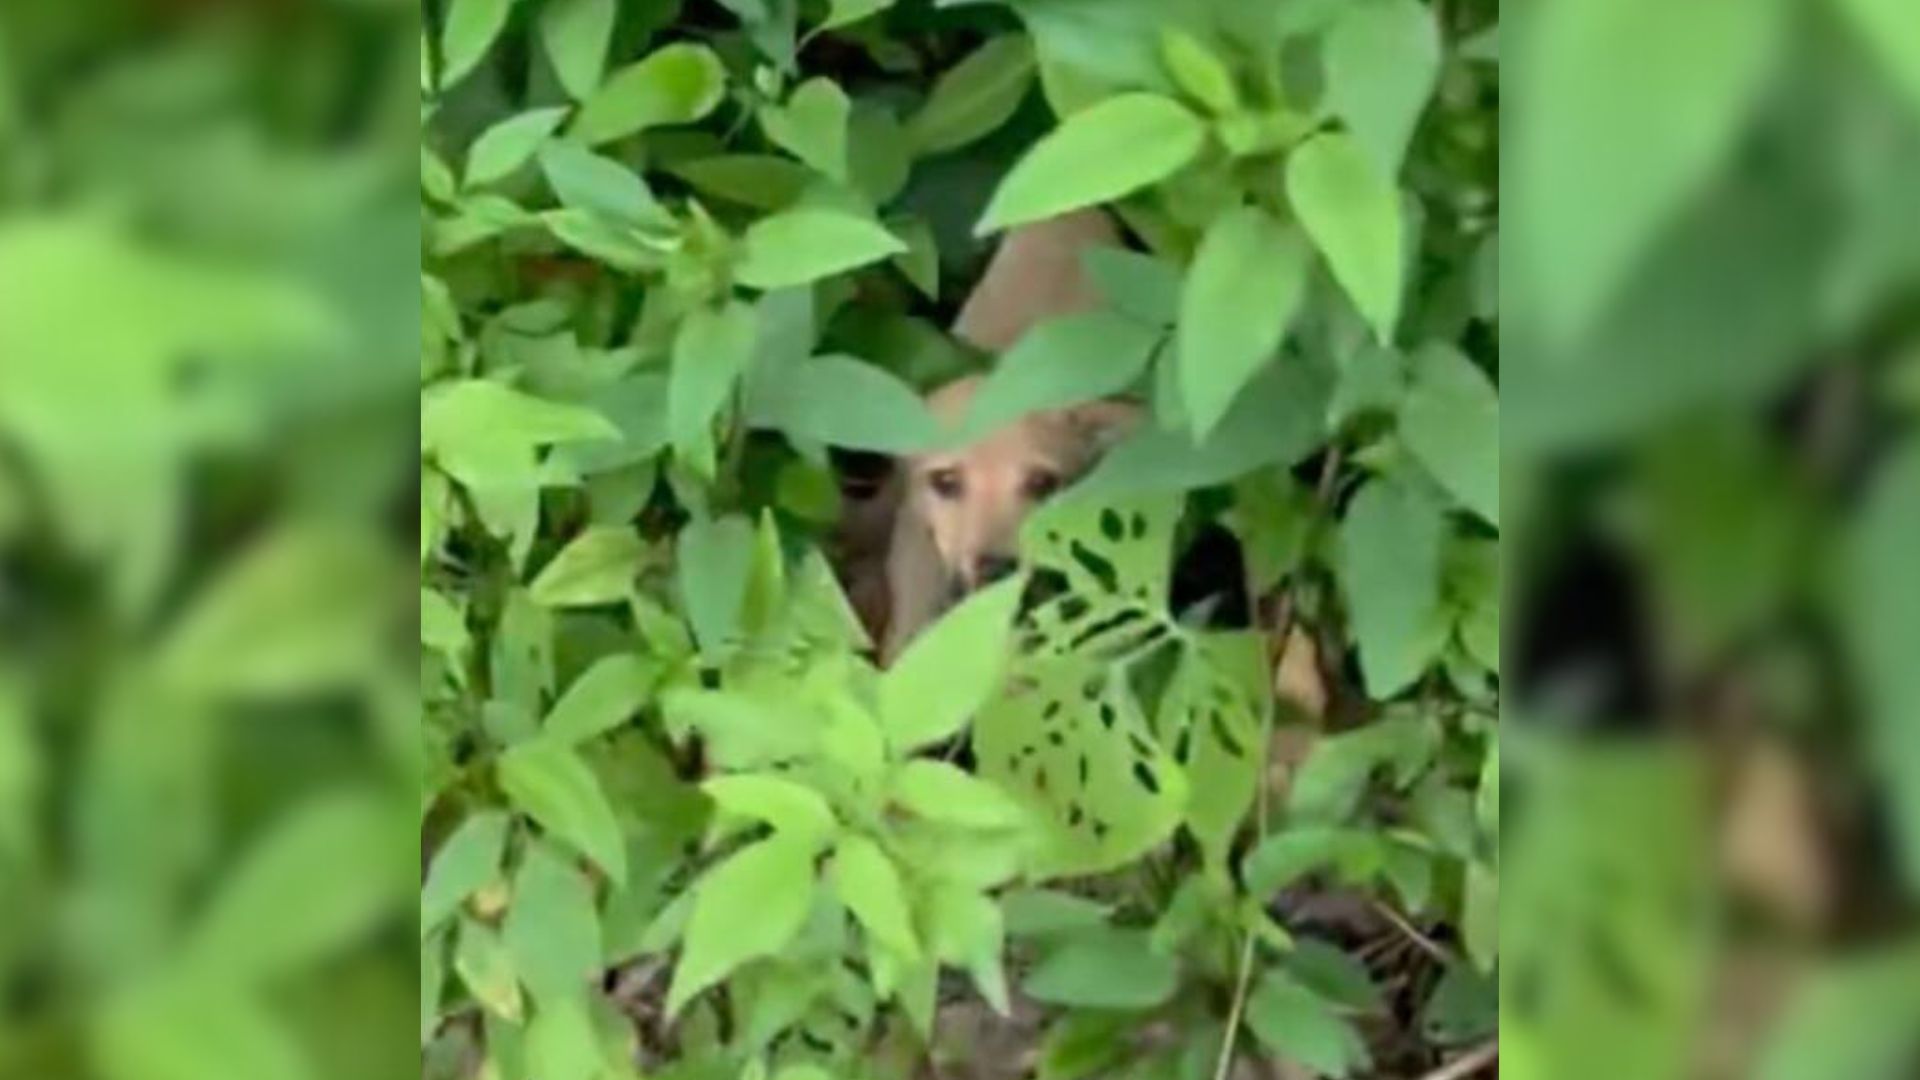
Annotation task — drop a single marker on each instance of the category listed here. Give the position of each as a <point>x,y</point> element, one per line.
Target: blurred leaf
<point>1888,28</point>
<point>509,144</point>
<point>576,34</point>
<point>1104,969</point>
<point>601,699</point>
<point>801,246</point>
<point>869,884</point>
<point>298,612</point>
<point>711,352</point>
<point>749,906</point>
<point>1882,579</point>
<point>1601,164</point>
<point>1097,155</point>
<point>186,1030</point>
<point>1136,284</point>
<point>848,12</point>
<point>1383,61</point>
<point>949,670</point>
<point>561,1042</point>
<point>812,126</point>
<point>1046,912</point>
<point>1302,1027</point>
<point>549,783</point>
<point>975,97</point>
<point>675,84</point>
<point>288,906</point>
<point>1450,419</point>
<point>469,31</point>
<point>1247,282</point>
<point>465,863</point>
<point>1854,1017</point>
<point>552,930</point>
<point>1352,212</point>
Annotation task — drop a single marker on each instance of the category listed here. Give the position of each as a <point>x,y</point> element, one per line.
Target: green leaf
<point>760,181</point>
<point>1450,419</point>
<point>869,884</point>
<point>552,930</point>
<point>596,567</point>
<point>576,34</point>
<point>1302,1027</point>
<point>801,246</point>
<point>480,959</point>
<point>675,84</point>
<point>583,180</point>
<point>1246,285</point>
<point>1034,913</point>
<point>711,352</point>
<point>1888,29</point>
<point>713,558</point>
<point>937,791</point>
<point>465,863</point>
<point>185,1029</point>
<point>1882,577</point>
<point>1480,916</point>
<point>1060,363</point>
<point>561,1043</point>
<point>1136,284</point>
<point>1104,969</point>
<point>948,672</point>
<point>287,906</point>
<point>1382,62</point>
<point>975,97</point>
<point>1097,155</point>
<point>812,125</point>
<point>844,402</point>
<point>1390,573</point>
<point>1598,175</point>
<point>470,30</point>
<point>848,12</point>
<point>788,806</point>
<point>748,907</point>
<point>550,784</point>
<point>509,144</point>
<point>1198,71</point>
<point>1352,212</point>
<point>601,699</point>
<point>1850,1017</point>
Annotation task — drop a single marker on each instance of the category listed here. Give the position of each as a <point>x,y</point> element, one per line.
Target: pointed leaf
<point>1247,282</point>
<point>1383,61</point>
<point>802,246</point>
<point>551,785</point>
<point>1353,214</point>
<point>1450,419</point>
<point>601,699</point>
<point>710,354</point>
<point>950,670</point>
<point>576,34</point>
<point>1097,155</point>
<point>552,930</point>
<point>1390,573</point>
<point>470,30</point>
<point>509,144</point>
<point>675,84</point>
<point>468,860</point>
<point>596,567</point>
<point>975,97</point>
<point>748,907</point>
<point>870,886</point>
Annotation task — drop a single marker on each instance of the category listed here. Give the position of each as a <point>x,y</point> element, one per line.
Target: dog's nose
<point>991,568</point>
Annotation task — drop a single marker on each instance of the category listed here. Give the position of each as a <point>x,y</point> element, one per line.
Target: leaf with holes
<point>1211,716</point>
<point>1070,741</point>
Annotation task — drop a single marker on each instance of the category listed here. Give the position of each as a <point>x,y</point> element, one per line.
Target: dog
<point>918,533</point>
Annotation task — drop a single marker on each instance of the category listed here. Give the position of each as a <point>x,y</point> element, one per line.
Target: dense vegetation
<point>677,820</point>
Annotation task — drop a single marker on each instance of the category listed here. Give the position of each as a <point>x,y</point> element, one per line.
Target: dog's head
<point>972,500</point>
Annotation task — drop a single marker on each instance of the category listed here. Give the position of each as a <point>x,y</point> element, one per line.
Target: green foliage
<point>675,753</point>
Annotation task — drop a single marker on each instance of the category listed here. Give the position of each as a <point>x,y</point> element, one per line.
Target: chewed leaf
<point>1069,739</point>
<point>1112,553</point>
<point>1211,719</point>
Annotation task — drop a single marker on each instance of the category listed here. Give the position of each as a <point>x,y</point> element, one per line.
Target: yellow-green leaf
<point>1097,155</point>
<point>870,886</point>
<point>1246,284</point>
<point>748,907</point>
<point>1352,212</point>
<point>675,84</point>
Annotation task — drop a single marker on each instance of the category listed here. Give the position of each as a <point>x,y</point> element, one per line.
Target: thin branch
<point>1468,1063</point>
<point>1415,934</point>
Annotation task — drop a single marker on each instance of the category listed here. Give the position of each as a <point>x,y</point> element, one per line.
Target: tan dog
<point>957,513</point>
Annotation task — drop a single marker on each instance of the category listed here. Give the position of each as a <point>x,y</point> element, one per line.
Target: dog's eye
<point>946,483</point>
<point>1041,484</point>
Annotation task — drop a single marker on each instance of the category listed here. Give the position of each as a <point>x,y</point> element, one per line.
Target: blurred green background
<point>208,704</point>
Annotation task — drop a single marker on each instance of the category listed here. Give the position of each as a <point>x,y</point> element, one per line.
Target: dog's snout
<point>992,568</point>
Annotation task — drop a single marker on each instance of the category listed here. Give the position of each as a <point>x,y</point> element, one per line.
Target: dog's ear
<point>1102,425</point>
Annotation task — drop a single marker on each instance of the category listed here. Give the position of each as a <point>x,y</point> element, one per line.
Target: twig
<point>1283,620</point>
<point>1415,934</point>
<point>1468,1063</point>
